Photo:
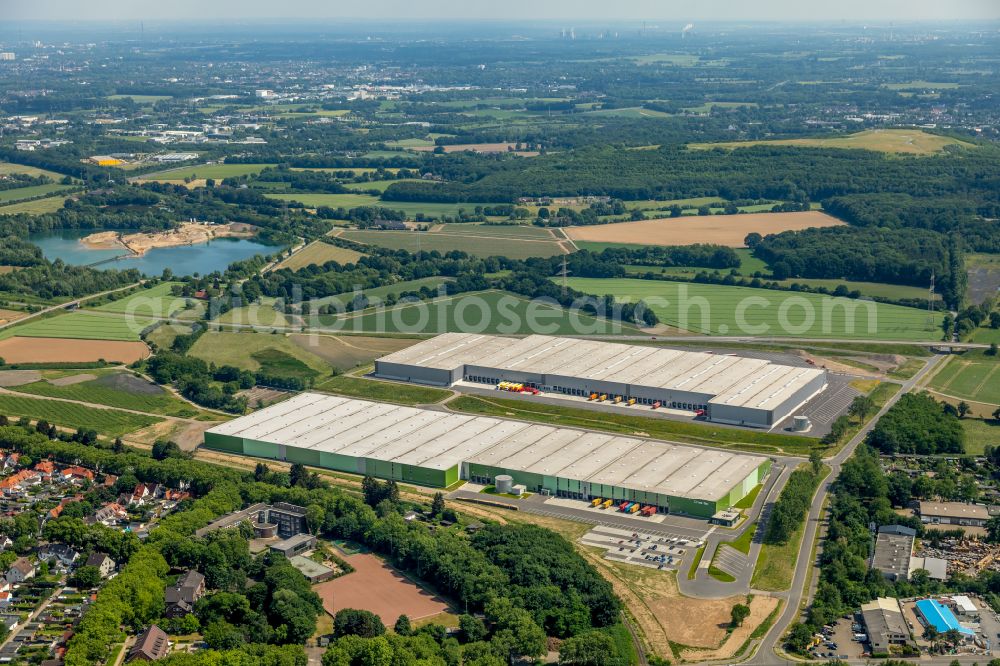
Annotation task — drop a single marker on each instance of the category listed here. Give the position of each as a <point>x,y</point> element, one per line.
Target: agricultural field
<point>319,253</point>
<point>114,388</point>
<point>970,376</point>
<point>63,350</point>
<point>920,85</point>
<point>82,326</point>
<point>727,230</point>
<point>725,310</point>
<point>156,301</point>
<point>107,422</point>
<point>378,185</point>
<point>216,171</point>
<point>255,314</point>
<point>345,352</point>
<point>35,206</point>
<point>32,191</point>
<point>412,209</point>
<point>913,142</point>
<point>708,106</point>
<point>501,242</point>
<point>142,99</point>
<point>379,294</point>
<point>480,312</point>
<point>163,336</point>
<point>10,167</point>
<point>256,351</point>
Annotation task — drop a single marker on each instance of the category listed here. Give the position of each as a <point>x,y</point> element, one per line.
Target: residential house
<point>18,482</point>
<point>110,514</point>
<point>180,598</point>
<point>46,470</point>
<point>10,462</point>
<point>76,474</point>
<point>150,645</point>
<point>103,562</point>
<point>5,599</point>
<point>58,554</point>
<point>21,570</point>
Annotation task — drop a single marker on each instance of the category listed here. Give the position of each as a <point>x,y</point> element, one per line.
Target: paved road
<point>765,654</point>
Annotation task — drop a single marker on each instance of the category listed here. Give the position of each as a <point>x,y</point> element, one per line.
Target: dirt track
<point>718,229</point>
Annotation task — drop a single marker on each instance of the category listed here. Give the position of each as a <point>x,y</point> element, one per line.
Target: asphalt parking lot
<point>639,547</point>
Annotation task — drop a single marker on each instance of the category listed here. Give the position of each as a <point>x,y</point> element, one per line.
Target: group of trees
<point>919,424</point>
<point>790,509</point>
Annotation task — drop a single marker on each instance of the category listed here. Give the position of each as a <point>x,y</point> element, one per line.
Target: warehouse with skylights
<point>729,389</point>
<point>437,448</point>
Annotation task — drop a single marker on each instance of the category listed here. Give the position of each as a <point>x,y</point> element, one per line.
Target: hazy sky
<point>562,10</point>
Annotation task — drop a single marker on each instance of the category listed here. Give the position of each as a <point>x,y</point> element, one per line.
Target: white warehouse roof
<point>440,440</point>
<point>734,381</point>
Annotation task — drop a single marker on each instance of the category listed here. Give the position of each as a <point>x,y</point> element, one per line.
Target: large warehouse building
<point>437,448</point>
<point>730,389</point>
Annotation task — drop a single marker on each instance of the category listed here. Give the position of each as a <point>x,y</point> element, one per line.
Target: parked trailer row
<point>624,507</point>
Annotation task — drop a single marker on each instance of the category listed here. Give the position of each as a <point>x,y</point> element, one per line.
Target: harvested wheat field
<point>375,586</point>
<point>7,316</point>
<point>717,229</point>
<point>65,350</point>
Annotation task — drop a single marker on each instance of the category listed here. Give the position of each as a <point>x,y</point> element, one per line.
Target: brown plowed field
<point>716,229</point>
<point>375,586</point>
<point>64,350</point>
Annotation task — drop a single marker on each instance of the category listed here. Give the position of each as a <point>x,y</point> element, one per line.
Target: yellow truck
<point>596,501</point>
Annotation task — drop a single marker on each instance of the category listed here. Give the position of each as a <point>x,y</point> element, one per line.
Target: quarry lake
<point>201,258</point>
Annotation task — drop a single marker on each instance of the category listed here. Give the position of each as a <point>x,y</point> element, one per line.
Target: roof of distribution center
<point>440,440</point>
<point>732,380</point>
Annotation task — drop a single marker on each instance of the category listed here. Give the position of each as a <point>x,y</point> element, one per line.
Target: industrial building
<point>437,448</point>
<point>954,513</point>
<point>893,555</point>
<point>728,388</point>
<point>885,625</point>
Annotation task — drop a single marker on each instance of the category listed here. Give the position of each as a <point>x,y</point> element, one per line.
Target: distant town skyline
<point>513,10</point>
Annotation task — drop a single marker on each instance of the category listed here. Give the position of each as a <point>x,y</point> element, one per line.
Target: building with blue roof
<point>939,616</point>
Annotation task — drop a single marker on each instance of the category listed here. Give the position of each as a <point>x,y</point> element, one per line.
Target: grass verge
<point>695,433</point>
<point>371,389</point>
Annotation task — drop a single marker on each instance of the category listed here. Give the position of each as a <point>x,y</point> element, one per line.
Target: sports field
<point>156,301</point>
<point>914,142</point>
<point>375,586</point>
<point>216,171</point>
<point>727,230</point>
<point>481,312</point>
<point>82,326</point>
<point>35,206</point>
<point>107,422</point>
<point>724,310</point>
<point>972,375</point>
<point>319,253</point>
<point>64,350</point>
<point>497,243</point>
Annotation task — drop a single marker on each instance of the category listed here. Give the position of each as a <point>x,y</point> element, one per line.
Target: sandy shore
<point>186,234</point>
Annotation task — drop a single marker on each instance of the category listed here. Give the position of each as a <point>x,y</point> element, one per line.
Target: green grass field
<point>979,434</point>
<point>481,312</point>
<point>10,167</point>
<point>34,207</point>
<point>32,191</point>
<point>153,302</point>
<point>142,99</point>
<point>256,314</point>
<point>628,424</point>
<point>379,293</point>
<point>986,335</point>
<point>724,310</point>
<point>476,245</point>
<point>920,85</point>
<point>369,389</point>
<point>82,326</point>
<point>313,200</point>
<point>972,375</point>
<point>319,253</point>
<point>252,351</point>
<point>914,142</point>
<point>378,185</point>
<point>520,231</point>
<point>216,171</point>
<point>115,389</point>
<point>107,422</point>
